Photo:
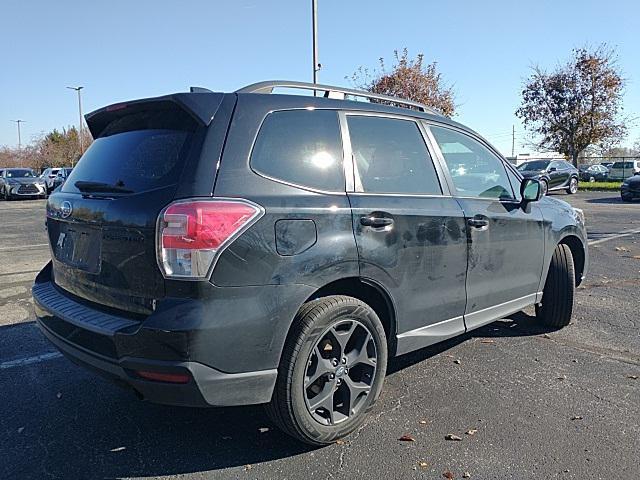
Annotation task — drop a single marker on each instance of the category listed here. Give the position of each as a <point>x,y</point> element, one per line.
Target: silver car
<point>20,183</point>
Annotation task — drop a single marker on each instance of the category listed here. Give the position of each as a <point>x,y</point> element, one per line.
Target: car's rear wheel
<point>331,372</point>
<point>557,298</point>
<point>573,186</point>
<point>592,179</point>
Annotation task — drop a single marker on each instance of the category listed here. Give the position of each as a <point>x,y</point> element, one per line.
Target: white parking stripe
<point>21,362</point>
<point>613,237</point>
<point>38,245</point>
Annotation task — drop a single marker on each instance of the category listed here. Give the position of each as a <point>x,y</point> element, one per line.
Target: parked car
<point>21,183</point>
<point>49,176</point>
<point>606,164</point>
<point>624,169</point>
<point>61,176</point>
<point>630,188</point>
<point>247,248</point>
<point>552,174</point>
<point>593,173</point>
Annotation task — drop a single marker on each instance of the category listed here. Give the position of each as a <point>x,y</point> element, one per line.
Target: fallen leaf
<point>448,474</point>
<point>340,442</point>
<point>637,257</point>
<point>407,438</point>
<point>546,335</point>
<point>576,417</point>
<point>423,464</point>
<point>248,467</point>
<point>622,249</point>
<point>472,432</point>
<point>263,429</point>
<point>632,377</point>
<point>451,436</point>
<point>59,395</point>
<point>118,449</point>
<point>422,422</point>
<point>561,377</point>
<point>466,475</point>
<point>457,361</point>
<point>21,429</point>
<point>487,341</point>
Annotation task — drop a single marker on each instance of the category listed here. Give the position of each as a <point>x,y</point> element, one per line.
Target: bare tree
<point>577,105</point>
<point>410,79</point>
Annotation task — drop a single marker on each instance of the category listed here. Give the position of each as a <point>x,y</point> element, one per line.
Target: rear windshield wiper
<point>100,187</point>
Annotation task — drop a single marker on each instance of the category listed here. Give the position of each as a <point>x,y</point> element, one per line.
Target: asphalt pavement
<point>525,401</point>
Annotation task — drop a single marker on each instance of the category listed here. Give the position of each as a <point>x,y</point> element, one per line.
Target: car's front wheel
<point>573,186</point>
<point>544,187</point>
<point>557,297</point>
<point>331,372</point>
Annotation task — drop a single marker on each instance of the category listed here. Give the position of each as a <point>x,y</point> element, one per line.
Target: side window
<point>302,147</point>
<point>475,170</point>
<point>390,156</point>
<point>515,182</point>
<point>556,165</point>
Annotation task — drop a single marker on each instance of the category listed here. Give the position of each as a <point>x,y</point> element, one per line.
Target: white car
<point>624,169</point>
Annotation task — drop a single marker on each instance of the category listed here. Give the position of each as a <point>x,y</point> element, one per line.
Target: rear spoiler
<point>199,104</point>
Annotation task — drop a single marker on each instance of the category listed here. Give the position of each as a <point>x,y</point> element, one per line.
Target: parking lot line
<point>615,236</point>
<point>20,362</point>
<point>22,247</point>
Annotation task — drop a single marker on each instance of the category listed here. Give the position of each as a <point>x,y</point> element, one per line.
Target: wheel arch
<point>371,293</point>
<point>578,252</point>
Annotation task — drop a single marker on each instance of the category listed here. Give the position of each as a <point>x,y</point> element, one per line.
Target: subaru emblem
<point>66,209</point>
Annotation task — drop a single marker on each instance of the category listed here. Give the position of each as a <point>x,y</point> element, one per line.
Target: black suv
<point>215,249</point>
<point>552,175</point>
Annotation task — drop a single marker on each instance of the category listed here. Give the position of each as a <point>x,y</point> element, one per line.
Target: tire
<point>544,187</point>
<point>559,289</point>
<point>573,186</point>
<point>312,333</point>
<point>626,199</point>
<point>592,179</point>
<point>7,195</point>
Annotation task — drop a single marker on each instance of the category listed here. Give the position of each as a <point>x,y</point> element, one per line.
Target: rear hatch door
<point>102,222</point>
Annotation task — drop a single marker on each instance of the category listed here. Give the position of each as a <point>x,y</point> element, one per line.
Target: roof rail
<point>330,91</point>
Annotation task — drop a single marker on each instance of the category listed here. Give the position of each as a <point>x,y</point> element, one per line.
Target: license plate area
<point>79,247</point>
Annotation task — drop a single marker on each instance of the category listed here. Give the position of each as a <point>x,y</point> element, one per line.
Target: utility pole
<point>513,140</point>
<point>77,89</point>
<point>314,26</point>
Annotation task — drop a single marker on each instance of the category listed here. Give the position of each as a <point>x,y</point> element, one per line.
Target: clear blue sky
<point>120,50</point>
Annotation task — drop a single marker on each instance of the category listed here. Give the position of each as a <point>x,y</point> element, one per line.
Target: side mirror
<point>530,190</point>
<point>551,169</point>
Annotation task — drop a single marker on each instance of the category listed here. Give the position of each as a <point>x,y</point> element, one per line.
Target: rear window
<point>302,147</point>
<point>137,152</point>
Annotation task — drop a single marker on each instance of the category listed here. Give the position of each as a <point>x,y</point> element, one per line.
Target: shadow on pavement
<point>606,200</point>
<point>97,430</point>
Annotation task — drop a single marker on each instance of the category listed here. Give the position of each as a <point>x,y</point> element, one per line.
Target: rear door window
<point>301,147</point>
<point>390,156</point>
<point>135,153</point>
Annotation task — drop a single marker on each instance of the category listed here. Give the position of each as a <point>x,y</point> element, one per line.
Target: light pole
<point>18,122</point>
<point>314,26</point>
<point>77,89</point>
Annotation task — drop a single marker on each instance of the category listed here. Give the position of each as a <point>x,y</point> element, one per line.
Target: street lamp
<point>77,89</point>
<point>314,27</point>
<point>18,122</point>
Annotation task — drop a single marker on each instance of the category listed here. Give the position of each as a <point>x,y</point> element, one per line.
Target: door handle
<point>375,222</point>
<point>478,222</point>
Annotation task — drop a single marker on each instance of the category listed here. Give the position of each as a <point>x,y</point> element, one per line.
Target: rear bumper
<point>109,344</point>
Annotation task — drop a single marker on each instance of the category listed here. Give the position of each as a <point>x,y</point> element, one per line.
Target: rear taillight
<point>192,234</point>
